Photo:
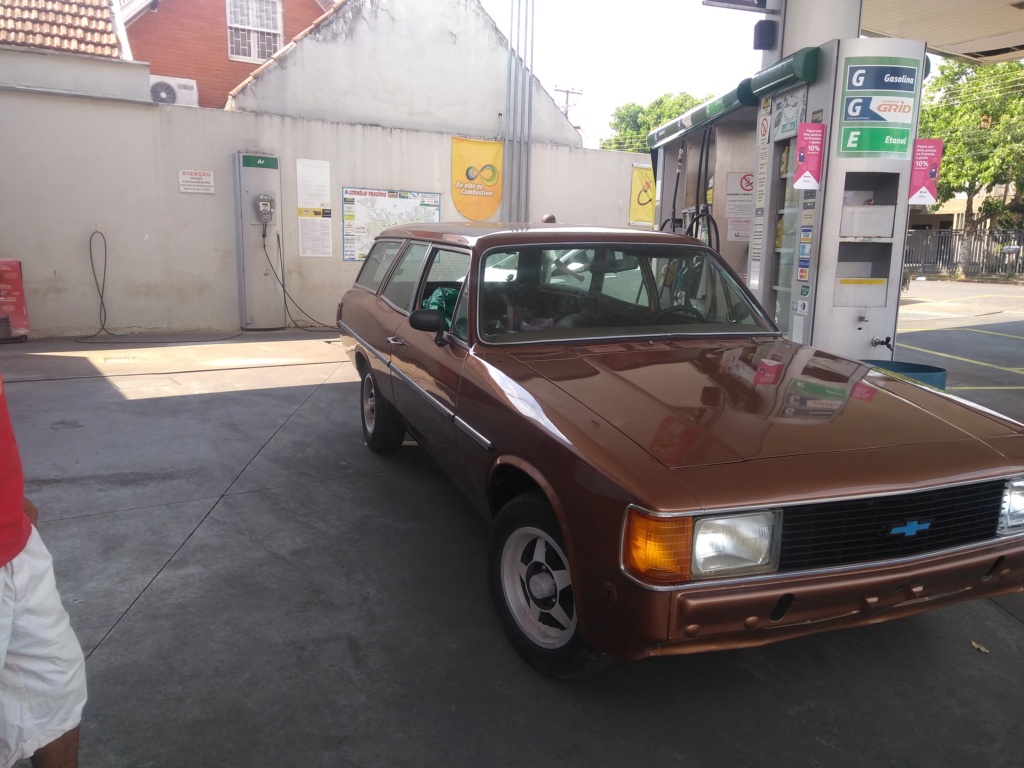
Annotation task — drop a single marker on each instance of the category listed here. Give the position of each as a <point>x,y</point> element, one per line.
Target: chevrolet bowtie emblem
<point>909,528</point>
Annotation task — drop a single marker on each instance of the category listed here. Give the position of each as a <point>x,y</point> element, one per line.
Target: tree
<point>977,111</point>
<point>632,123</point>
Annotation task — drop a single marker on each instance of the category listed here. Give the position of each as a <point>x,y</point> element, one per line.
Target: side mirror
<point>740,312</point>
<point>429,320</point>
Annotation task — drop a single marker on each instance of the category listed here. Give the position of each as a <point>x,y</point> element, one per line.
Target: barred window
<point>254,29</point>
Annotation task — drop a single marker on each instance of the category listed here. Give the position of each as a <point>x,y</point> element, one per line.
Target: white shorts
<point>42,669</point>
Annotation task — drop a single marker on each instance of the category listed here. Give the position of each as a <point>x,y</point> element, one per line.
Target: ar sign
<point>881,77</point>
<point>881,109</point>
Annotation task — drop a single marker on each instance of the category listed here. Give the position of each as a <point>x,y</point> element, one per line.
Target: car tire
<point>383,428</point>
<point>531,587</point>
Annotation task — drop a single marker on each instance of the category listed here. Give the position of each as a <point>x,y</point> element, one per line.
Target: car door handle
<point>397,341</point>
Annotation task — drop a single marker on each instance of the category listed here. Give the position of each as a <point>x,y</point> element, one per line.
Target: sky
<point>633,51</point>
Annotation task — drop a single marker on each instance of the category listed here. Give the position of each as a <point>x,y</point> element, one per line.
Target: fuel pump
<point>841,291</point>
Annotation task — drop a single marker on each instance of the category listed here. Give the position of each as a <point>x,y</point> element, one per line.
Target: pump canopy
<point>802,66</point>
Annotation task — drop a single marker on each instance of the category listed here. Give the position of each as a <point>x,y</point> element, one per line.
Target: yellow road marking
<point>961,299</point>
<point>962,359</point>
<point>961,389</point>
<point>973,330</point>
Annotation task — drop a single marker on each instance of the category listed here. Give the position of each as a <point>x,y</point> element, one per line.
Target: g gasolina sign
<point>879,100</point>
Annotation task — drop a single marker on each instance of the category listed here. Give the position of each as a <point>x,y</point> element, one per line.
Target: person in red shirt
<point>42,668</point>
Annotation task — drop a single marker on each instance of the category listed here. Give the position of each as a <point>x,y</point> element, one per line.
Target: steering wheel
<point>661,314</point>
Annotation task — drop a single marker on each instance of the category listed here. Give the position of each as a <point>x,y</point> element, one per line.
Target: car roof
<point>491,233</point>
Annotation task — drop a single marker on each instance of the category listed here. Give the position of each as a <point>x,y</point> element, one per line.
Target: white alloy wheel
<point>537,586</point>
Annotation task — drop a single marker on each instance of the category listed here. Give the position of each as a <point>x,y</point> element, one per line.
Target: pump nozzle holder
<point>878,341</point>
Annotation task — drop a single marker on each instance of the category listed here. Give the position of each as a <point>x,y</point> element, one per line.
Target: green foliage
<point>632,123</point>
<point>977,110</point>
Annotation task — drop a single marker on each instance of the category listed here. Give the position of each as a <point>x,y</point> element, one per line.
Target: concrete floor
<point>253,587</point>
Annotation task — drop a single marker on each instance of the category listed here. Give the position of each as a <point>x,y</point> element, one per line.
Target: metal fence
<point>951,251</point>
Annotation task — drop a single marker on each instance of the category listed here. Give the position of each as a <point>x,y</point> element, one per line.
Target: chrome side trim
<point>363,343</point>
<point>480,439</point>
<point>443,409</point>
<point>624,338</point>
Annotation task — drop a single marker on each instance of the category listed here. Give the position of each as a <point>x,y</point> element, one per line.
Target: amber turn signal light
<point>658,549</point>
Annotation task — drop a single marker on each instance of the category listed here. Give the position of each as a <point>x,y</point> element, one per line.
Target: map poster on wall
<point>366,212</point>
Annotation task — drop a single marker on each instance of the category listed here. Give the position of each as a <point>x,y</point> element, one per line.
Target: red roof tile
<point>80,26</point>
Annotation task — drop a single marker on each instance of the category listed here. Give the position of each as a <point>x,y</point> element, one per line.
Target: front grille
<point>862,530</point>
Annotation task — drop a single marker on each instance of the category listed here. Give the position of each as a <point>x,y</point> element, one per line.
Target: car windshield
<point>540,293</point>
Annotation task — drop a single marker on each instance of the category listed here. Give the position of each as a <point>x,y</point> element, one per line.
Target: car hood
<point>691,404</point>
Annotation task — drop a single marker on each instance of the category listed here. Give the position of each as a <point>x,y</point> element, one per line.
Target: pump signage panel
<point>878,109</point>
<point>879,101</point>
<point>880,77</point>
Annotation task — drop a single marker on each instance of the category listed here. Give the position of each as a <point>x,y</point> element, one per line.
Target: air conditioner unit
<point>173,90</point>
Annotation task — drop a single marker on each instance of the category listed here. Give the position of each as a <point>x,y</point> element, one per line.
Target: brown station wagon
<point>665,472</point>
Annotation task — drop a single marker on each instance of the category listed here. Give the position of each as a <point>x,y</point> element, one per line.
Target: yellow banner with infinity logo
<point>476,177</point>
<point>641,196</point>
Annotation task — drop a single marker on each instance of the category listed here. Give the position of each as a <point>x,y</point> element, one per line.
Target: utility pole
<point>565,110</point>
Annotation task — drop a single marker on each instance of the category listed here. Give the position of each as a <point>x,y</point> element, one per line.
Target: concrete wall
<point>84,165</point>
<point>430,66</point>
<point>73,73</point>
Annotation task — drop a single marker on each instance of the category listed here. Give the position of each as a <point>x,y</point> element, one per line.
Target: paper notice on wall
<point>761,189</point>
<point>757,238</point>
<point>196,182</point>
<point>313,182</point>
<point>315,232</point>
<point>313,185</point>
<point>739,205</point>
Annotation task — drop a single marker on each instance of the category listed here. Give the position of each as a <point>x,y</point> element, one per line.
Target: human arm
<point>30,510</point>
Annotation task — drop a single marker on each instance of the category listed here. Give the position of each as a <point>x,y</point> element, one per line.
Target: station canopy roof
<point>980,31</point>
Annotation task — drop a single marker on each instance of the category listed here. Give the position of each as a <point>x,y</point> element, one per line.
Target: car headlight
<point>1011,517</point>
<point>664,549</point>
<point>724,546</point>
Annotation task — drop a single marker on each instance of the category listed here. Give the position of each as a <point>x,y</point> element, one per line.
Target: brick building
<point>217,43</point>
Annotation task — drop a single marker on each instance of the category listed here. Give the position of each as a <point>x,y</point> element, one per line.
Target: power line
<point>565,110</point>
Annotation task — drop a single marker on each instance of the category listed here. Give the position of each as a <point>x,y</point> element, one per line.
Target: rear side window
<point>380,258</point>
<point>402,282</point>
